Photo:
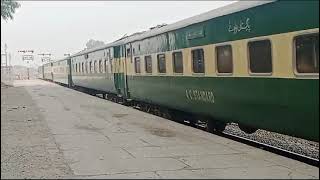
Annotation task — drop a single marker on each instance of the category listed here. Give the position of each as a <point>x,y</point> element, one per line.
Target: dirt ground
<point>28,150</point>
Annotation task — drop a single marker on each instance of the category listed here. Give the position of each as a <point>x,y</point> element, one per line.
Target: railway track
<point>267,147</point>
<point>260,145</point>
<point>273,149</point>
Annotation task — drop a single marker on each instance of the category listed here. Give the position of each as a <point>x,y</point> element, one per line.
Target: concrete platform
<point>101,139</point>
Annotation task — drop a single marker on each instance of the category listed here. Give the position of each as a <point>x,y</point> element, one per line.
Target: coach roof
<point>232,8</point>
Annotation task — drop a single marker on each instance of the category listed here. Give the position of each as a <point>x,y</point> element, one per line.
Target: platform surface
<point>50,131</point>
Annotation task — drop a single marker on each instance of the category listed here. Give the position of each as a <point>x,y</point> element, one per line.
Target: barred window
<point>198,60</point>
<point>148,64</point>
<point>137,65</point>
<point>161,63</point>
<point>224,59</point>
<point>307,53</point>
<point>260,57</point>
<point>177,62</point>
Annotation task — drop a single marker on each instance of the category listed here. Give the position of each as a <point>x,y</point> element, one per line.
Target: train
<point>254,63</point>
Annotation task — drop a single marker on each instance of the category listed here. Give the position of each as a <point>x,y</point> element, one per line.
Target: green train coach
<point>252,63</point>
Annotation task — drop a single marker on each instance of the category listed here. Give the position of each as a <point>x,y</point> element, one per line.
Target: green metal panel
<point>272,18</point>
<point>289,106</point>
<point>116,52</point>
<point>102,82</point>
<point>151,45</point>
<point>119,82</point>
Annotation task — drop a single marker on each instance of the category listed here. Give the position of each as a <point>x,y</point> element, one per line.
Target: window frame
<point>100,66</point>
<point>86,67</point>
<point>294,58</point>
<point>145,64</point>
<point>204,64</point>
<point>82,67</point>
<point>105,66</point>
<point>165,63</point>
<point>216,60</point>
<point>135,66</point>
<point>173,67</point>
<point>90,67</point>
<point>94,66</point>
<point>248,57</point>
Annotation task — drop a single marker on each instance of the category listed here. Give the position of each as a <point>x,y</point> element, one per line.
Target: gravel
<point>289,143</point>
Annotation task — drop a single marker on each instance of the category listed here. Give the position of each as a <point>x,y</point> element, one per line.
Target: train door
<point>68,70</point>
<point>51,70</point>
<point>119,75</point>
<point>120,80</point>
<point>127,60</point>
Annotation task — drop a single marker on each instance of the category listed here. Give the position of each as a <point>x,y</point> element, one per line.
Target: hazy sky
<point>60,27</point>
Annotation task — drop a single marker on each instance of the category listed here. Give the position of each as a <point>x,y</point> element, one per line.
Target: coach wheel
<point>247,129</point>
<point>215,126</point>
<point>176,116</point>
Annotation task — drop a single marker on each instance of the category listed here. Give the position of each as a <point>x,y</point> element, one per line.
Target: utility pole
<point>27,58</point>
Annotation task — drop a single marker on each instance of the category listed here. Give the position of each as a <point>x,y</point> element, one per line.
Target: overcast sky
<point>60,27</point>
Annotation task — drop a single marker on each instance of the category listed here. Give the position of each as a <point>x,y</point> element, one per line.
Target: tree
<point>93,43</point>
<point>8,8</point>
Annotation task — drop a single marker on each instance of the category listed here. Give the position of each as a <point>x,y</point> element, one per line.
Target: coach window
<point>198,60</point>
<point>128,52</point>
<point>82,65</point>
<point>307,53</point>
<point>260,58</point>
<point>161,63</point>
<point>105,65</point>
<point>78,67</point>
<point>111,65</point>
<point>177,62</point>
<point>95,67</point>
<point>137,65</point>
<point>224,59</point>
<point>148,64</point>
<point>90,66</point>
<point>86,68</point>
<point>100,66</point>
